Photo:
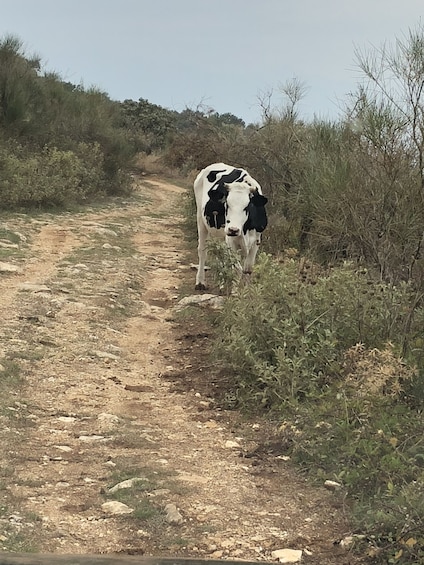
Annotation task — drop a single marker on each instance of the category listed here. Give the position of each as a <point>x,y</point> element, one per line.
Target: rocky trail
<point>116,393</point>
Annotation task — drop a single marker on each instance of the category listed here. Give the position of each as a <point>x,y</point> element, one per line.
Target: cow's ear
<point>259,199</point>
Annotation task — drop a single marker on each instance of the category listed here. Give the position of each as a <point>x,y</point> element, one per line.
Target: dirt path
<point>90,319</point>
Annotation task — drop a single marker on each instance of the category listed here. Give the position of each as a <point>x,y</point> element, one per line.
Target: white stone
<point>287,555</point>
<point>64,448</point>
<point>173,515</point>
<point>106,355</point>
<point>115,507</point>
<point>129,483</point>
<point>211,300</point>
<point>332,485</point>
<point>91,438</point>
<point>232,444</point>
<point>8,268</point>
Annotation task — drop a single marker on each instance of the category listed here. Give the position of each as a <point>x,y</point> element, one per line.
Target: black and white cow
<point>229,201</point>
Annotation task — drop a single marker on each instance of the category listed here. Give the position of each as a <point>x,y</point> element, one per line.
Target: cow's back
<point>216,174</point>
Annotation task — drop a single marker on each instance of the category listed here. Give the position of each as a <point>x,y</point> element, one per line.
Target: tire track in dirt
<point>103,343</point>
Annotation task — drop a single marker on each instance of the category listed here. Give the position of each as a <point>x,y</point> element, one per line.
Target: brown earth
<point>118,384</point>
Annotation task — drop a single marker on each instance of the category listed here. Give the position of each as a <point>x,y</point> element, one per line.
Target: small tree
<point>19,88</point>
<point>388,117</point>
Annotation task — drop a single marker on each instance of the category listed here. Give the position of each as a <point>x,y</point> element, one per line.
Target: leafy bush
<point>50,177</point>
<point>372,445</point>
<point>286,333</point>
<point>225,265</point>
<point>59,142</point>
<point>321,350</point>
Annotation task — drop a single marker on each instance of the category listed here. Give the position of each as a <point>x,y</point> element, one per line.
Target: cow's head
<point>242,203</point>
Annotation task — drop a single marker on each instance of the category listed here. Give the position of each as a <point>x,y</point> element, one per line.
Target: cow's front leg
<point>236,245</point>
<point>201,251</point>
<point>250,258</point>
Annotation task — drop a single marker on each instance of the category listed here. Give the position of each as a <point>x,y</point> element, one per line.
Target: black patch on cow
<point>236,175</point>
<point>256,213</point>
<point>215,206</point>
<point>215,213</point>
<point>213,174</point>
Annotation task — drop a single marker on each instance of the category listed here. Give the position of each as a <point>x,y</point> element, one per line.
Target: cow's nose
<point>233,231</point>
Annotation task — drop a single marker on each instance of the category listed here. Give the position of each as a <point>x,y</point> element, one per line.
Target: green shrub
<point>224,264</point>
<point>50,177</point>
<point>372,445</point>
<point>285,334</point>
<point>322,351</point>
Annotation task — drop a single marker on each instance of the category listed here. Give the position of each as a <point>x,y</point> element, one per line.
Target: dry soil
<point>116,384</point>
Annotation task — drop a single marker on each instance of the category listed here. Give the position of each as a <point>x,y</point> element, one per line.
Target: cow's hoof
<point>200,286</point>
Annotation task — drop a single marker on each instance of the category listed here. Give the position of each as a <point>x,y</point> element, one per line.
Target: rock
<point>108,421</point>
<point>350,540</point>
<point>91,438</point>
<point>67,419</point>
<point>127,484</point>
<point>173,515</point>
<point>33,287</point>
<point>332,485</point>
<point>144,534</point>
<point>287,555</point>
<point>114,507</point>
<point>7,245</point>
<point>105,231</point>
<point>139,388</point>
<point>8,268</point>
<point>109,246</point>
<point>211,300</point>
<point>106,355</point>
<point>105,417</point>
<point>231,444</point>
<point>227,543</point>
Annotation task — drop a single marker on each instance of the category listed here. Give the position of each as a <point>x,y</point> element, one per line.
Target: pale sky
<point>223,54</point>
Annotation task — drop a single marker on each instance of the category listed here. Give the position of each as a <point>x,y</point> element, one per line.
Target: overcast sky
<point>223,54</point>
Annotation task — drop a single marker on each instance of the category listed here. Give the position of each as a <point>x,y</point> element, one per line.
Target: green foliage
<point>225,265</point>
<point>372,445</point>
<point>51,176</point>
<point>321,350</point>
<point>18,85</point>
<point>58,143</point>
<point>286,336</point>
<point>152,121</point>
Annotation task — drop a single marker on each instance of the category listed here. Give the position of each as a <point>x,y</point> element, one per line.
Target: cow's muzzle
<point>232,232</point>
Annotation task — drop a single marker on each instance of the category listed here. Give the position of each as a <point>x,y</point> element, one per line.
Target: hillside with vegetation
<point>327,340</point>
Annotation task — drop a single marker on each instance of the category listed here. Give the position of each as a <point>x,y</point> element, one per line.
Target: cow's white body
<point>238,196</point>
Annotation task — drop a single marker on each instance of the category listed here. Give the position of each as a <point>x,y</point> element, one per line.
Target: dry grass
<point>376,371</point>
